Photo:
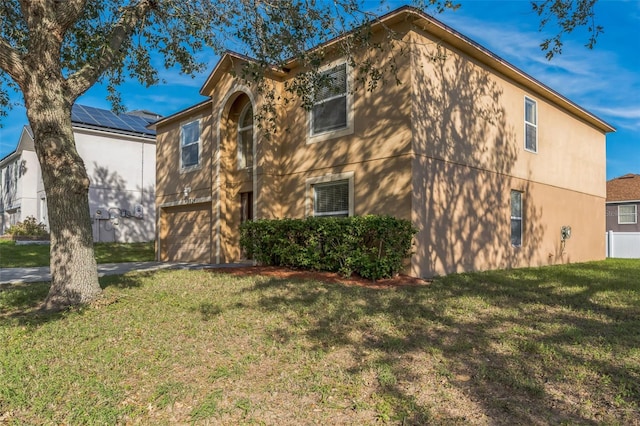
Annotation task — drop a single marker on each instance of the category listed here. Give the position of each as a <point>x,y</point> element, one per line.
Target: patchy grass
<point>124,252</point>
<point>13,256</point>
<point>554,345</point>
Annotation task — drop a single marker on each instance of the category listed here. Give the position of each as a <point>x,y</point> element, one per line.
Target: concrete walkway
<point>37,274</point>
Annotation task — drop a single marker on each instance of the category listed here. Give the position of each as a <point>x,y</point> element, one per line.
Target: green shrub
<point>371,246</point>
<point>30,227</point>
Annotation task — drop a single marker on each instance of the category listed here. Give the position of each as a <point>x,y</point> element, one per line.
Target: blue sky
<point>605,81</point>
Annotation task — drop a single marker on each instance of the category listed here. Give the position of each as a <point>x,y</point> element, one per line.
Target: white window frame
<point>348,129</point>
<point>518,218</point>
<point>528,123</point>
<point>634,214</point>
<point>326,179</point>
<point>190,167</point>
<point>242,162</point>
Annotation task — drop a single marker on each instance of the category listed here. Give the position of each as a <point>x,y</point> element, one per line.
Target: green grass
<point>553,345</point>
<point>13,256</point>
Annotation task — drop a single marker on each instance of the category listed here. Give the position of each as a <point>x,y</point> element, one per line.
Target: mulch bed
<point>329,277</point>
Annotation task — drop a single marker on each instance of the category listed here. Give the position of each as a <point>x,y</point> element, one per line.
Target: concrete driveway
<point>37,274</point>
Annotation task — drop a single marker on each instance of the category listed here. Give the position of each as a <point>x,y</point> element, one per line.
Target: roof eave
<point>83,126</point>
<point>8,157</point>
<point>225,63</point>
<point>180,114</point>
<point>452,37</point>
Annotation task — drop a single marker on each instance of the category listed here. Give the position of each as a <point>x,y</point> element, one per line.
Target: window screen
<point>190,143</point>
<point>516,218</point>
<point>331,199</point>
<point>531,125</point>
<point>245,138</point>
<point>330,109</point>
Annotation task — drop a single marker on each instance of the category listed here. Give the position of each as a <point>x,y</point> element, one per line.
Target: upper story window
<point>245,138</point>
<point>516,218</point>
<point>530,125</point>
<point>331,111</point>
<point>190,144</point>
<point>628,214</point>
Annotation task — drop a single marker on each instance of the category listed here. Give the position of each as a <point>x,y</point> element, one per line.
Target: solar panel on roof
<point>83,114</point>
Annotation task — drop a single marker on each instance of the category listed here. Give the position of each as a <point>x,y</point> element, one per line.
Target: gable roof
<point>443,33</point>
<point>24,143</point>
<point>624,188</point>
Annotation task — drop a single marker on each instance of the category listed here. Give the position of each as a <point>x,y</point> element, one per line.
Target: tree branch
<point>67,12</point>
<point>84,78</point>
<point>11,62</point>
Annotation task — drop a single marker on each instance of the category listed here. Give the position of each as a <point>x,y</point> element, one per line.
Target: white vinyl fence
<point>623,244</point>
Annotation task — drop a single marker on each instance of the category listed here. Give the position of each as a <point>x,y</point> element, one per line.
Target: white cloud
<point>589,77</point>
<point>624,113</point>
<point>622,117</point>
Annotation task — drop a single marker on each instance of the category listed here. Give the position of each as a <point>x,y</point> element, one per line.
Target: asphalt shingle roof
<point>624,188</point>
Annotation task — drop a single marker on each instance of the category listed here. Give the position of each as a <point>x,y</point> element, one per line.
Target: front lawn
<point>29,255</point>
<point>553,345</point>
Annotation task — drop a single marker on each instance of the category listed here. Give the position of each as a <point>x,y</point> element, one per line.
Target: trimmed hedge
<point>371,246</point>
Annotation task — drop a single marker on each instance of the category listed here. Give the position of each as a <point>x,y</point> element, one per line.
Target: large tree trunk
<point>37,65</point>
<point>74,276</point>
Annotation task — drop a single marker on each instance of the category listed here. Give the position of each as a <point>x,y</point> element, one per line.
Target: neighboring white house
<point>19,174</point>
<point>119,153</point>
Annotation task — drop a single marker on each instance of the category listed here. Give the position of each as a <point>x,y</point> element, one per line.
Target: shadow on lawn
<point>527,347</point>
<point>23,301</point>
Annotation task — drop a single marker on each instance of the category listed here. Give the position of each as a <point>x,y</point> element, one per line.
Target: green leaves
<point>371,246</point>
<point>566,16</point>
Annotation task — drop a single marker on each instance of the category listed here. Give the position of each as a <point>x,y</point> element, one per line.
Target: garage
<point>185,233</point>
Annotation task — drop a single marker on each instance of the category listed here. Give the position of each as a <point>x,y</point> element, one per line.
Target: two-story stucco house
<point>488,163</point>
<point>119,153</point>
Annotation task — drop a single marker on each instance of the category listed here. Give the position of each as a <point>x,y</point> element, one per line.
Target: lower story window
<point>516,218</point>
<point>331,199</point>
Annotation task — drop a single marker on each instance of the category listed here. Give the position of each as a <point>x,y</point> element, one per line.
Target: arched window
<point>245,138</point>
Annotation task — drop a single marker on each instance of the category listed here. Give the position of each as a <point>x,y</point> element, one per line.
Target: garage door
<point>185,233</point>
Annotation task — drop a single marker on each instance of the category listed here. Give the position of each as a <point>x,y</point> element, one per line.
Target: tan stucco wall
<point>466,113</point>
<point>464,218</point>
<point>378,152</point>
<point>171,182</point>
<point>469,154</point>
<point>170,179</point>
